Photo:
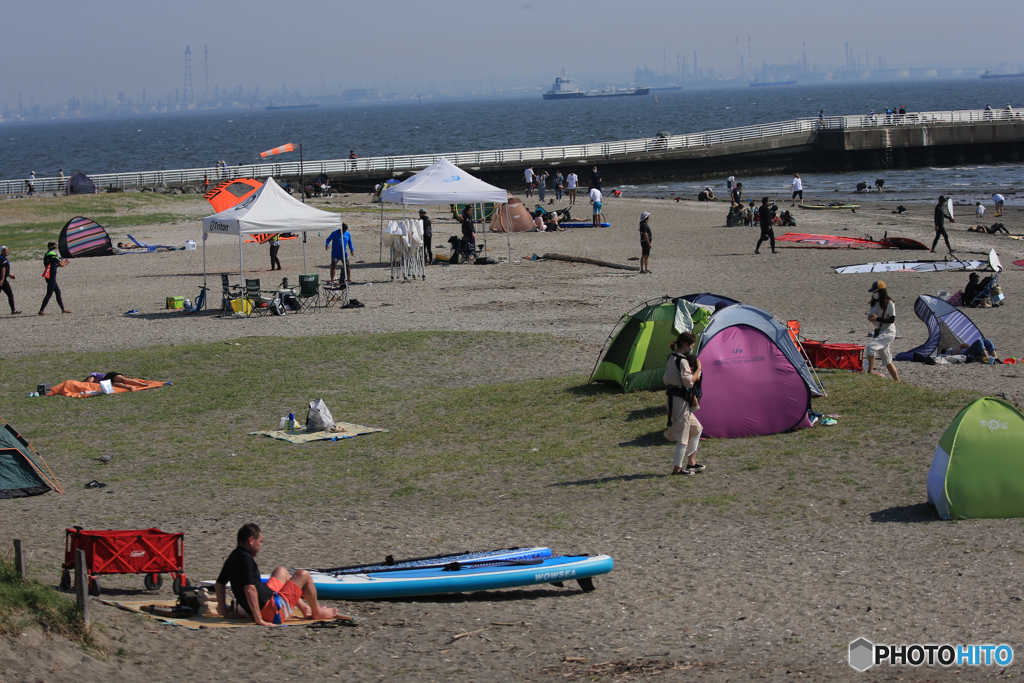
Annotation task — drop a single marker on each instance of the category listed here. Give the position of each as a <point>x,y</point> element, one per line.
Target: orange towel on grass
<point>76,389</point>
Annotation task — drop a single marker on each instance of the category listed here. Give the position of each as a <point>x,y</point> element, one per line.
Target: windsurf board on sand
<point>923,266</point>
<point>831,205</point>
<point>457,577</point>
<point>499,555</point>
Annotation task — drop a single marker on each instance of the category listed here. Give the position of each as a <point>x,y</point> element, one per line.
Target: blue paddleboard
<point>461,577</point>
<point>581,224</point>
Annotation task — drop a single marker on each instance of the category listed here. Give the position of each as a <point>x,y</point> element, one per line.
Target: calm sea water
<point>199,139</point>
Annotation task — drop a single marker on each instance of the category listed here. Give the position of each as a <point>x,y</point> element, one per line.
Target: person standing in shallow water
<point>645,242</point>
<point>682,372</point>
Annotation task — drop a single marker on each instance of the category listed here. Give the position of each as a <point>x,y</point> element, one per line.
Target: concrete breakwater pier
<point>835,143</point>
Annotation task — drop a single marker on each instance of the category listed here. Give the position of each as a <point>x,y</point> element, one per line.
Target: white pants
<point>879,347</point>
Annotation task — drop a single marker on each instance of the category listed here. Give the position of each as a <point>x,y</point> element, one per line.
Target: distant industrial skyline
<point>64,54</point>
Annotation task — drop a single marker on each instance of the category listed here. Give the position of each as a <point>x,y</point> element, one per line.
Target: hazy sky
<point>54,49</point>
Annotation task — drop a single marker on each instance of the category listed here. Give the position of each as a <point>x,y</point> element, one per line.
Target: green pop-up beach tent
<point>978,467</point>
<point>636,358</point>
<point>20,471</point>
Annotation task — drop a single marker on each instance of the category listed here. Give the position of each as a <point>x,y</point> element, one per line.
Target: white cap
<point>645,215</point>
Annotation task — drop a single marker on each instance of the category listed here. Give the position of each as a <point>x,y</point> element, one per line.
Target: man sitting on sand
<point>270,603</point>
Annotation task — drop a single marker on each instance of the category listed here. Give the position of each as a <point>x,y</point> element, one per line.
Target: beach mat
<point>212,620</point>
<point>75,389</point>
<point>342,430</point>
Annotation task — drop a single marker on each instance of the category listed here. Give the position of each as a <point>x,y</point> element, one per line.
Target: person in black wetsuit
<point>764,216</point>
<point>941,214</point>
<point>428,234</point>
<point>468,232</point>
<point>51,262</point>
<point>5,278</point>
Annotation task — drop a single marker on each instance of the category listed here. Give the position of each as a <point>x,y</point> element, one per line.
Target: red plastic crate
<point>140,551</point>
<point>833,356</point>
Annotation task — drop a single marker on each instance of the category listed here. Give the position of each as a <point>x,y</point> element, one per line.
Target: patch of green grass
<point>460,429</point>
<point>24,602</point>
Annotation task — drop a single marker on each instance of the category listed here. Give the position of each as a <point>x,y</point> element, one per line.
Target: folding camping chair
<point>229,292</point>
<point>259,304</point>
<point>309,291</point>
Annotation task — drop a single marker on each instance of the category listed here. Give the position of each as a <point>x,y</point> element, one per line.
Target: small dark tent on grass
<point>79,183</point>
<point>947,327</point>
<point>20,471</point>
<point>83,236</point>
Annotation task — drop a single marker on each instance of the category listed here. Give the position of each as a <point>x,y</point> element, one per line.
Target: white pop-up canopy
<point>269,210</point>
<point>444,183</point>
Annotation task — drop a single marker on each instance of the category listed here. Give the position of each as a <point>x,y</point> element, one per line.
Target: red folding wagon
<point>149,552</point>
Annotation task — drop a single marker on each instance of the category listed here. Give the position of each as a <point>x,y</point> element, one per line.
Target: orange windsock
<point>278,150</point>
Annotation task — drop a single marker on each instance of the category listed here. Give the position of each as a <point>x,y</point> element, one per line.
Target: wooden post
<point>19,558</point>
<point>82,585</point>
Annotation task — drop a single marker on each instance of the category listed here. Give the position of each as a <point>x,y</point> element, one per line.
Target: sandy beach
<point>697,594</point>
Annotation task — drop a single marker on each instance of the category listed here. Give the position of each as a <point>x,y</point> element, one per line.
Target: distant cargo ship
<point>989,74</point>
<point>275,107</point>
<point>764,84</point>
<point>565,89</point>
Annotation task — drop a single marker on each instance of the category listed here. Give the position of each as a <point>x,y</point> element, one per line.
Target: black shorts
<point>645,250</point>
<point>798,192</point>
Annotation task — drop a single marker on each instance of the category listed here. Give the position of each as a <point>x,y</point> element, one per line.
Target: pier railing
<point>598,152</point>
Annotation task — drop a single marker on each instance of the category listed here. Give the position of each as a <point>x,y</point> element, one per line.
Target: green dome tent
<point>20,473</point>
<point>978,467</point>
<point>636,358</point>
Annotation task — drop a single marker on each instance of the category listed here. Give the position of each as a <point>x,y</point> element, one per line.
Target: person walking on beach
<point>998,199</point>
<point>270,603</point>
<point>595,199</point>
<point>682,372</point>
<point>542,179</point>
<point>764,217</point>
<point>595,179</point>
<point>737,195</point>
<point>51,262</point>
<point>337,242</point>
<point>558,182</point>
<point>798,188</point>
<point>883,314</point>
<point>275,246</point>
<point>571,183</point>
<point>428,235</point>
<point>645,242</point>
<point>941,214</point>
<point>5,278</point>
<point>528,177</point>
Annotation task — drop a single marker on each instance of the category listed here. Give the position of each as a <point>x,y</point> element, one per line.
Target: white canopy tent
<point>444,183</point>
<point>269,210</point>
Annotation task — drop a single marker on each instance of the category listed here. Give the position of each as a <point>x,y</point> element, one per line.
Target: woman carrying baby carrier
<point>682,377</point>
